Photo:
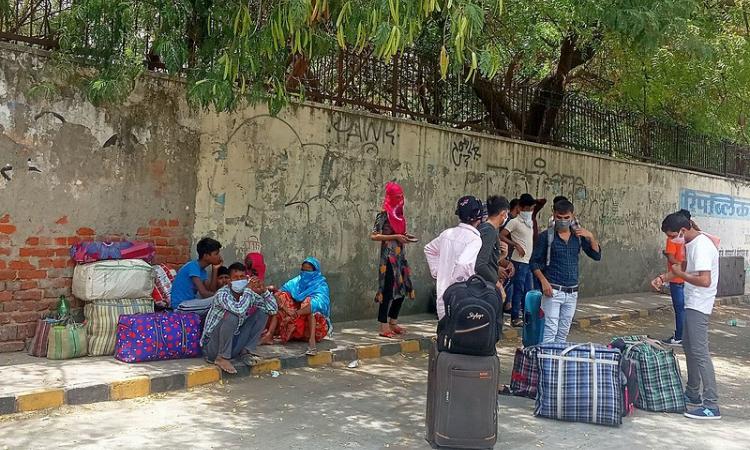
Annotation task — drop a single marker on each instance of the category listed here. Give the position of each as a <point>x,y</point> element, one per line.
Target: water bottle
<point>737,323</point>
<point>63,307</point>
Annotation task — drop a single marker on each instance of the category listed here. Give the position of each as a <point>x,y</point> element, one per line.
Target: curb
<point>142,386</point>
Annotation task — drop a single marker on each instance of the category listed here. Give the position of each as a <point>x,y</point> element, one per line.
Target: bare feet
<point>396,329</point>
<point>225,365</point>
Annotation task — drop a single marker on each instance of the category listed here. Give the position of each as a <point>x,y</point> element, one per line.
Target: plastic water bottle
<point>737,323</point>
<point>63,307</point>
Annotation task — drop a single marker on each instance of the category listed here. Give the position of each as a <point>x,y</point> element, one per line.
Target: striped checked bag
<point>525,376</point>
<point>579,383</point>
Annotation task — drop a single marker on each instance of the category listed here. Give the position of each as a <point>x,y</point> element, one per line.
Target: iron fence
<point>409,86</point>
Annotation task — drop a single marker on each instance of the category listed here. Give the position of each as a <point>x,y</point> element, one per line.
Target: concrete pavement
<point>381,405</point>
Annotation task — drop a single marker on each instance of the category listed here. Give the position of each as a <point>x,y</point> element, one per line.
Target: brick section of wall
<point>36,270</point>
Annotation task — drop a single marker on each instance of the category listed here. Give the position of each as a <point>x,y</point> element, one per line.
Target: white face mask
<point>239,285</point>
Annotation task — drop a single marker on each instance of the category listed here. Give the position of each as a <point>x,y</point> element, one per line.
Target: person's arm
<point>212,284</point>
<point>266,302</point>
<point>505,236</point>
<point>466,263</point>
<point>540,202</point>
<point>432,253</point>
<point>538,262</point>
<point>484,257</point>
<point>701,278</point>
<point>377,231</point>
<point>227,302</point>
<point>589,244</point>
<point>200,286</point>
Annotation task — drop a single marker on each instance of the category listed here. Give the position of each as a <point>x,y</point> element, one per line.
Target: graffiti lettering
<point>536,181</point>
<point>463,151</point>
<point>363,131</point>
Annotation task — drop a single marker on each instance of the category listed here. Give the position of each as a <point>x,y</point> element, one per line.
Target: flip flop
<point>397,329</point>
<point>249,359</point>
<point>388,334</point>
<point>311,352</point>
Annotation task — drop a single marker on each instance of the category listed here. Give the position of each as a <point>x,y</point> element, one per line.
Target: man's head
<point>497,208</point>
<point>514,207</point>
<point>678,228</point>
<point>237,271</point>
<point>208,251</point>
<point>222,276</point>
<point>469,210</point>
<point>557,199</point>
<point>526,202</point>
<point>563,214</point>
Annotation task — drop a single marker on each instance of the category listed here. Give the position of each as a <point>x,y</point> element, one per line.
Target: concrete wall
<point>310,182</point>
<point>80,172</point>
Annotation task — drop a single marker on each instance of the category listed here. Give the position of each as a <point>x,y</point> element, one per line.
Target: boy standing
<point>488,260</point>
<point>196,282</point>
<point>236,320</point>
<point>701,276</point>
<point>452,256</point>
<point>555,265</point>
<point>519,235</point>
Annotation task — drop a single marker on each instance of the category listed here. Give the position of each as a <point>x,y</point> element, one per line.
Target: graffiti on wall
<point>367,133</point>
<point>463,151</point>
<point>537,181</point>
<point>718,206</point>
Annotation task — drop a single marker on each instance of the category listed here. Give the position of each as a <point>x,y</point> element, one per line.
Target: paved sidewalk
<point>36,383</point>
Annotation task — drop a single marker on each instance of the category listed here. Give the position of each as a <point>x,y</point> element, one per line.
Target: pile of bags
<point>596,384</point>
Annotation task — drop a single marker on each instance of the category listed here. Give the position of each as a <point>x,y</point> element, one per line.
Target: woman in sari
<point>304,308</point>
<point>394,280</point>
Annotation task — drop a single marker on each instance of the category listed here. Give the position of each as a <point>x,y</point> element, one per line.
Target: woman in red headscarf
<point>394,280</point>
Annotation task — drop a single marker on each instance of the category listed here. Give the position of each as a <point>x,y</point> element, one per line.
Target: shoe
<point>704,413</point>
<point>694,403</point>
<point>517,323</point>
<point>672,341</point>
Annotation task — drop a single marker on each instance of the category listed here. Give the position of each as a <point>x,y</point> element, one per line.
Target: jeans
<point>700,368</point>
<point>677,291</point>
<point>521,282</point>
<point>558,315</point>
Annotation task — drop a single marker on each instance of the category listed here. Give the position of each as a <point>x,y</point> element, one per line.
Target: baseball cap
<point>469,208</point>
<point>526,200</point>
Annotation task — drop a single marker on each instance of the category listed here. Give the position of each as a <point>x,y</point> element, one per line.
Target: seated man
<point>236,320</point>
<point>222,277</point>
<point>196,282</point>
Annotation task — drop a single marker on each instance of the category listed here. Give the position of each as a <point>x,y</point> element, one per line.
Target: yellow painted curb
<point>321,359</point>
<point>130,388</point>
<point>368,351</point>
<point>584,323</point>
<point>266,366</point>
<point>643,313</point>
<point>409,346</point>
<point>203,375</point>
<point>33,401</point>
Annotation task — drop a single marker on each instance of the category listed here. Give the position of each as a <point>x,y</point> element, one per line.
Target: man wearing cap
<point>453,255</point>
<point>519,235</point>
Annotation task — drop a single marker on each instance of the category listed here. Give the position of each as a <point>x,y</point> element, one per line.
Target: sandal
<point>397,329</point>
<point>311,352</point>
<point>388,334</point>
<point>249,359</point>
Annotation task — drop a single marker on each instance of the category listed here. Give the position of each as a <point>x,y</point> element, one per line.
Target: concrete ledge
<point>188,377</point>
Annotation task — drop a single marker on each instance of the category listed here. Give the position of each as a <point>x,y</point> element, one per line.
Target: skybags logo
<point>475,316</point>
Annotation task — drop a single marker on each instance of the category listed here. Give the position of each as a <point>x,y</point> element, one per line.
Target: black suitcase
<point>462,400</point>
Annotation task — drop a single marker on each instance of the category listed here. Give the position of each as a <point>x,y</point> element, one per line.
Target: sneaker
<point>693,402</point>
<point>704,413</point>
<point>672,341</point>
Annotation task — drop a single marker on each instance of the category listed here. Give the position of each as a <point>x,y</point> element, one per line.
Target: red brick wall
<point>36,269</point>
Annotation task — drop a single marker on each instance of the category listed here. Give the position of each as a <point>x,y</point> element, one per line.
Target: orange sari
<point>297,328</point>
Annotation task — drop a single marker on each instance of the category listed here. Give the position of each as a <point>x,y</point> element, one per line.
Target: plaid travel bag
<point>659,380</point>
<point>525,376</point>
<point>579,383</point>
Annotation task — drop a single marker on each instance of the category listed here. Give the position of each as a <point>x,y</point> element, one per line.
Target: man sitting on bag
<point>197,281</point>
<point>236,320</point>
<point>452,256</point>
<point>555,264</point>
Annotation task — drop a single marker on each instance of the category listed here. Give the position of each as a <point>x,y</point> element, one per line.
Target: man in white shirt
<point>452,255</point>
<point>701,275</point>
<point>519,235</point>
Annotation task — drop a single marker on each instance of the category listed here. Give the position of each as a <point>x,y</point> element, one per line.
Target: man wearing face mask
<point>519,235</point>
<point>236,320</point>
<point>555,265</point>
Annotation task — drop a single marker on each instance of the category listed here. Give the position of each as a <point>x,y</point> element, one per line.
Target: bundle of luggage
<point>463,375</point>
<point>596,384</point>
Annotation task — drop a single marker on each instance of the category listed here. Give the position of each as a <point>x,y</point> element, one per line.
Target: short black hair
<point>513,203</point>
<point>497,204</point>
<point>563,207</point>
<point>206,246</point>
<point>557,199</point>
<point>237,267</point>
<point>685,213</point>
<point>674,222</point>
<point>527,200</point>
<point>222,271</point>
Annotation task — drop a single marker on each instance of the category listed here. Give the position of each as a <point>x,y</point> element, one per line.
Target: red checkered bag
<point>163,277</point>
<point>525,376</point>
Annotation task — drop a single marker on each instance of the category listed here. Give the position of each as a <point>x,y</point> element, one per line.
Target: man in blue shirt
<point>196,282</point>
<point>555,264</point>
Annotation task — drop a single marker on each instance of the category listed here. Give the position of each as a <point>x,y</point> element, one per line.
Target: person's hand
<point>539,205</point>
<point>677,270</point>
<point>657,283</point>
<point>257,286</point>
<point>584,233</point>
<point>547,288</point>
<point>521,252</point>
<point>402,238</point>
<point>511,269</point>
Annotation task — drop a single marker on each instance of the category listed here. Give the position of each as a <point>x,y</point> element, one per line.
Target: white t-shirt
<point>523,235</point>
<point>702,255</point>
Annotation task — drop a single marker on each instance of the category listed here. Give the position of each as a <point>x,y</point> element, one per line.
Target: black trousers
<point>389,307</point>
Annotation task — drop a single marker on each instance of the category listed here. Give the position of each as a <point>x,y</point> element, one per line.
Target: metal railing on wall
<point>410,87</point>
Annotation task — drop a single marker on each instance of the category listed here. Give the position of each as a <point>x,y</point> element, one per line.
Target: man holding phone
<point>555,264</point>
